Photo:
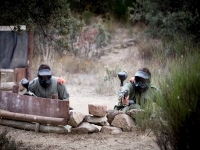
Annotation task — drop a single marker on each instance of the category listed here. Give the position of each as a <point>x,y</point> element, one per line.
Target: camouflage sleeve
<point>126,87</point>
<point>62,92</point>
<point>32,85</point>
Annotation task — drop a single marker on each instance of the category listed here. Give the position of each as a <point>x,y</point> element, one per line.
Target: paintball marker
<point>25,83</point>
<point>122,76</point>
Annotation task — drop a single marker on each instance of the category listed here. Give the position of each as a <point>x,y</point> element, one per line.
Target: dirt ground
<point>80,96</point>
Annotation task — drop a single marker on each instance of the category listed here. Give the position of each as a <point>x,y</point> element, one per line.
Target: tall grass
<point>175,117</point>
<point>108,82</point>
<point>180,103</point>
<point>177,123</point>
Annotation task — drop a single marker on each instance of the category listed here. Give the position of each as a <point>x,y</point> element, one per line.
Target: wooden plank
<point>19,74</point>
<point>6,86</point>
<point>7,70</point>
<point>34,105</point>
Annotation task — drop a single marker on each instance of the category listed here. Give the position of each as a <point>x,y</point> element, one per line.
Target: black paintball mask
<point>44,77</point>
<point>141,81</point>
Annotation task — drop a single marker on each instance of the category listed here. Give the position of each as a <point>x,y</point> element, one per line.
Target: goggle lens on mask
<point>140,82</point>
<point>44,78</point>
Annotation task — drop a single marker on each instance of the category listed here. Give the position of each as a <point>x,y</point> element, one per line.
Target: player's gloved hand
<point>61,80</point>
<point>125,100</point>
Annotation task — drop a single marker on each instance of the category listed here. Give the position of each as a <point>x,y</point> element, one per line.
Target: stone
<point>111,115</point>
<point>84,128</point>
<point>102,121</point>
<point>111,130</point>
<point>75,118</point>
<point>123,121</point>
<point>97,109</point>
<point>132,113</point>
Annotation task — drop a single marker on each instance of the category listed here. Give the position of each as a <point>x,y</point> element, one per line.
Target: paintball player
<point>136,91</point>
<point>48,86</point>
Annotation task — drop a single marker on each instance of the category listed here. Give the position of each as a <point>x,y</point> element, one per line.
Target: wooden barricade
<point>30,109</point>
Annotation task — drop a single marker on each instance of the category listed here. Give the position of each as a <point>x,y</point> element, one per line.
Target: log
<point>6,70</point>
<point>32,126</point>
<point>32,118</point>
<point>7,86</point>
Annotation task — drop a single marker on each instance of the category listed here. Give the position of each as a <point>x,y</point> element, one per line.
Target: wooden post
<point>30,54</point>
<point>37,127</point>
<point>15,88</point>
<point>0,79</point>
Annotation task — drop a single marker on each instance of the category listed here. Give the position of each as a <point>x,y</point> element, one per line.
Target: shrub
<point>107,80</point>
<point>180,104</point>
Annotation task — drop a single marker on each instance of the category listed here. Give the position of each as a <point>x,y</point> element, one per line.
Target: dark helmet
<point>44,75</point>
<point>142,79</point>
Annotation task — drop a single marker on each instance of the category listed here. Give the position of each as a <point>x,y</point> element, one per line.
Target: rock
<point>102,121</point>
<point>84,128</point>
<point>132,113</point>
<point>97,109</point>
<point>68,128</point>
<point>124,122</point>
<point>98,127</point>
<point>75,118</point>
<point>111,130</point>
<point>111,115</point>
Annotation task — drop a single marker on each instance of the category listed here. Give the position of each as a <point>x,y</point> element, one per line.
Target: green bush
<point>180,103</point>
<point>87,17</point>
<point>107,80</point>
<point>164,18</point>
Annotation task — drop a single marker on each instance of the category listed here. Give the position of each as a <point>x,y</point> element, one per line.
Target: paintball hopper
<point>122,76</point>
<point>25,83</point>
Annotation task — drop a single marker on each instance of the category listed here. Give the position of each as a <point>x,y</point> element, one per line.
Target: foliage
<point>96,7</point>
<point>117,8</point>
<point>176,121</point>
<point>87,17</point>
<point>107,80</point>
<point>51,19</point>
<point>108,23</point>
<point>164,18</point>
<point>102,39</point>
<point>180,46</point>
<point>88,43</point>
<point>178,124</point>
<point>180,104</point>
<point>136,12</point>
<point>30,13</point>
